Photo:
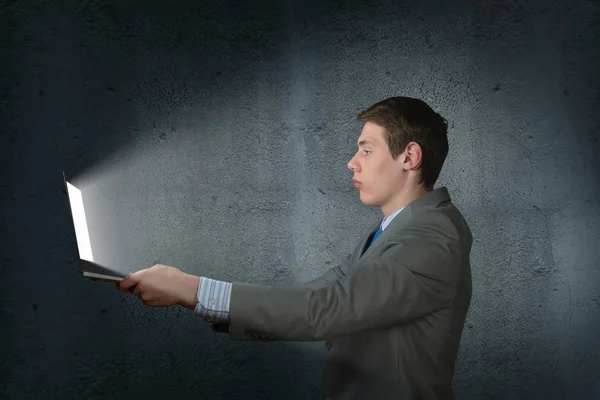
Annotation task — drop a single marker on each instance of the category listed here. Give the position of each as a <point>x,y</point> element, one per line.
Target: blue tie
<point>376,235</point>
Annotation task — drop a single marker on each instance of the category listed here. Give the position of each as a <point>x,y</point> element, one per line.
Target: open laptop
<point>87,265</point>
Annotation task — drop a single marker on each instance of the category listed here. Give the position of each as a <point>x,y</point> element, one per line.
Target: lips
<point>357,183</point>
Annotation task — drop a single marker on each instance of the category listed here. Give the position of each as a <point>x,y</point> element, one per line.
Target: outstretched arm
<point>416,274</point>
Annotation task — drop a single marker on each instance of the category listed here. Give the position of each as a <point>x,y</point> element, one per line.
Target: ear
<point>412,156</point>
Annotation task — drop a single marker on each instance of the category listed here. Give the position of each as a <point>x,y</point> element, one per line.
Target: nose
<point>352,164</point>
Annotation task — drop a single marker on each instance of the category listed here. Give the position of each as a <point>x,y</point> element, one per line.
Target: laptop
<point>87,265</point>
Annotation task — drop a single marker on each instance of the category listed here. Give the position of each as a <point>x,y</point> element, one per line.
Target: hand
<point>162,286</point>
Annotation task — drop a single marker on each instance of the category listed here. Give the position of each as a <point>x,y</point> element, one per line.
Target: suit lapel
<point>431,199</point>
<point>380,239</point>
<point>365,242</point>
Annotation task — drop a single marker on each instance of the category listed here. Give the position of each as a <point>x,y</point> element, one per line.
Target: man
<point>392,313</point>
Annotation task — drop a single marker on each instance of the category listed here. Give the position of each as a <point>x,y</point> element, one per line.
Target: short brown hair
<point>406,120</point>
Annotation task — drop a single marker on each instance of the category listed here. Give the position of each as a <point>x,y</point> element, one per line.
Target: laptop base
<point>100,277</point>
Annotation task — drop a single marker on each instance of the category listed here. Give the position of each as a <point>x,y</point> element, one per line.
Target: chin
<point>367,200</point>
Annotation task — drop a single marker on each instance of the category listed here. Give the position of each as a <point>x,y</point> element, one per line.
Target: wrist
<point>189,292</point>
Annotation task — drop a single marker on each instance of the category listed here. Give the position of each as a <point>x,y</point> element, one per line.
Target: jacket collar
<point>429,200</point>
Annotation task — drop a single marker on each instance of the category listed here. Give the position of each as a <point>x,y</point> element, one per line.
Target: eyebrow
<point>365,142</point>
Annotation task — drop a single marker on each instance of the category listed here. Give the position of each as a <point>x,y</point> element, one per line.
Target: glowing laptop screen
<point>81,231</point>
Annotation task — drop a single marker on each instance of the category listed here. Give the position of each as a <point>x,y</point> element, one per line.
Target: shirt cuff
<point>213,300</point>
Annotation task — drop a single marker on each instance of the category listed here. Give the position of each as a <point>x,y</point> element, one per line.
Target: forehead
<point>372,134</point>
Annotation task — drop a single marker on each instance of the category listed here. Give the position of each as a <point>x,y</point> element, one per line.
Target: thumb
<point>130,281</point>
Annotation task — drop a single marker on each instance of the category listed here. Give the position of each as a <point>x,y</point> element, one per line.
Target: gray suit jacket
<point>391,315</point>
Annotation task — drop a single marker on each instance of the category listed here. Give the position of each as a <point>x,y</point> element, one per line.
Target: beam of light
<point>81,231</point>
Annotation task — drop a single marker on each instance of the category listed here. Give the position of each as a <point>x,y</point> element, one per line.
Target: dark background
<point>215,136</point>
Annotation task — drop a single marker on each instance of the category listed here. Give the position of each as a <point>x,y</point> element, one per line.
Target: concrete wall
<point>215,138</point>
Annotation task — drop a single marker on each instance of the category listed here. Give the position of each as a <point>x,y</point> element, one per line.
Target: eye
<point>367,152</point>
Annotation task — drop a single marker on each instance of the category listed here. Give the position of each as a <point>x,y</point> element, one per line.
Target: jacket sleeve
<point>328,278</point>
<point>416,274</point>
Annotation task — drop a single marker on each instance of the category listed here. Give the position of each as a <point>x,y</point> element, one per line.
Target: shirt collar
<point>386,221</point>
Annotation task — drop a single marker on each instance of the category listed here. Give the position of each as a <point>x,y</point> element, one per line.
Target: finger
<point>129,281</point>
<point>137,290</point>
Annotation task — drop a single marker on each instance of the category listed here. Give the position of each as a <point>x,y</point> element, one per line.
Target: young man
<point>392,313</point>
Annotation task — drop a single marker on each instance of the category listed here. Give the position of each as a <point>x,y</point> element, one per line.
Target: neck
<point>403,199</point>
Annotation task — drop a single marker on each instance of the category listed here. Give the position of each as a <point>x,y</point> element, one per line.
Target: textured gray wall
<point>215,138</point>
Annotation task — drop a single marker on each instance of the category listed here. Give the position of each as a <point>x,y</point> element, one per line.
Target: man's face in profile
<point>379,176</point>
